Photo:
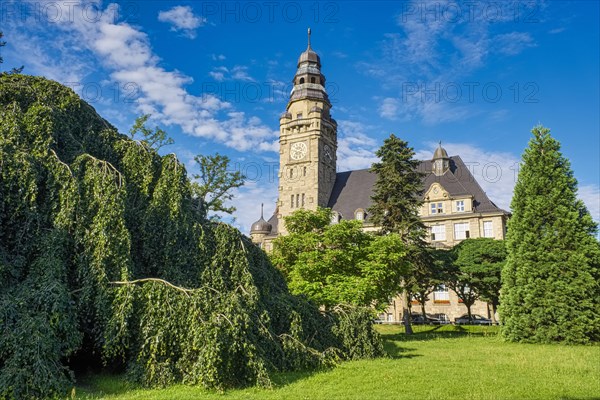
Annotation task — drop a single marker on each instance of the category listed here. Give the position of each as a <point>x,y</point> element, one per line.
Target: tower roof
<point>440,152</point>
<point>309,54</point>
<point>261,226</point>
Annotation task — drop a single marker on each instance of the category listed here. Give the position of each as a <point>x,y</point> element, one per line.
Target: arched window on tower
<point>312,80</point>
<point>301,81</point>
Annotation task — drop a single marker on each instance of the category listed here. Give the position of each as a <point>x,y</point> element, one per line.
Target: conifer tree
<point>550,287</point>
<point>396,203</point>
<point>399,183</point>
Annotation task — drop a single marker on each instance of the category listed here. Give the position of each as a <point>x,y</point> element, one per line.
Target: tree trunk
<point>494,307</point>
<point>405,314</point>
<point>423,311</point>
<point>469,312</point>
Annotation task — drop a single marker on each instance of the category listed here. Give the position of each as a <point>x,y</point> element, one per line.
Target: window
<point>304,171</point>
<point>437,208</point>
<point>299,116</point>
<point>359,214</point>
<point>312,79</point>
<point>301,81</point>
<point>441,295</point>
<point>438,232</point>
<point>298,200</point>
<point>461,231</point>
<point>302,199</point>
<point>292,201</point>
<point>460,205</point>
<point>335,217</point>
<point>488,230</point>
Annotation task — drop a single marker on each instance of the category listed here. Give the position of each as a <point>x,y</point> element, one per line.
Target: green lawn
<point>436,363</point>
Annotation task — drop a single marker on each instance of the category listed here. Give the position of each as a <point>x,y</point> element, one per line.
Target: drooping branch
<point>184,290</point>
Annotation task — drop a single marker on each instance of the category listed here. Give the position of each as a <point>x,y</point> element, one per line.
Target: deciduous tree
<point>154,138</point>
<point>339,263</point>
<point>482,260</point>
<point>213,185</point>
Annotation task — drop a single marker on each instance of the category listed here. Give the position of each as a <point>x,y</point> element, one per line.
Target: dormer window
<point>299,116</point>
<point>359,214</point>
<point>460,206</point>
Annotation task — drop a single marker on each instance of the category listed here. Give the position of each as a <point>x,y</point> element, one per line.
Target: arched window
<point>312,80</point>
<point>301,81</point>
<point>359,214</point>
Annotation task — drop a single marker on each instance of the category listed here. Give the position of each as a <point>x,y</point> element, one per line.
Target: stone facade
<point>454,205</point>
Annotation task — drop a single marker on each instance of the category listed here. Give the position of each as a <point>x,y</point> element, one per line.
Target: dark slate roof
<point>353,189</point>
<point>274,223</point>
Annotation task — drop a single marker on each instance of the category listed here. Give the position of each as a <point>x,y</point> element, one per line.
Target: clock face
<point>327,152</point>
<point>298,150</point>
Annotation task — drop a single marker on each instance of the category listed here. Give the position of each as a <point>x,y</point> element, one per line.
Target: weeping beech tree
<point>104,259</point>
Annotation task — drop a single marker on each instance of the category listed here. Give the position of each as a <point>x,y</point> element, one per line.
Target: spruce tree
<point>550,287</point>
<point>396,197</point>
<point>396,202</point>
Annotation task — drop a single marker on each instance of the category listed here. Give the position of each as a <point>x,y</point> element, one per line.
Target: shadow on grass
<point>423,333</point>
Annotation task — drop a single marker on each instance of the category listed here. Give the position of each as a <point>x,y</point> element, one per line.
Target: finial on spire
<point>440,143</point>
<point>309,38</point>
<point>261,209</point>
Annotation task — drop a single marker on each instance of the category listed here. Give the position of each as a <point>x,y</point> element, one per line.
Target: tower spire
<point>261,210</point>
<point>308,38</point>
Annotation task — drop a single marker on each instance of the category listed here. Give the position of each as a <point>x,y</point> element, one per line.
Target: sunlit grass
<point>445,362</point>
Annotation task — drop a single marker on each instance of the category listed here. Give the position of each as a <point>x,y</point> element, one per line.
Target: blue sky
<point>216,75</point>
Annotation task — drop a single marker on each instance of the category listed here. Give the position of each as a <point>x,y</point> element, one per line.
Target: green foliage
<point>339,263</point>
<point>396,197</point>
<point>104,258</point>
<point>550,284</point>
<point>153,138</point>
<point>428,271</point>
<point>213,185</point>
<point>481,261</point>
<point>395,206</point>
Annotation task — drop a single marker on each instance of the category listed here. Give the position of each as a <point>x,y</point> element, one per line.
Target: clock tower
<point>307,142</point>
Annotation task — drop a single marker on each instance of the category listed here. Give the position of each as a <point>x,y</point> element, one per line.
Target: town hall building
<point>454,205</point>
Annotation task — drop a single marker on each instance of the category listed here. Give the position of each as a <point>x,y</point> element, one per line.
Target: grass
<point>445,362</point>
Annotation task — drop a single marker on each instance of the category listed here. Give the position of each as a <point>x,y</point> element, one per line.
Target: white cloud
<point>514,43</point>
<point>590,194</point>
<point>247,201</point>
<point>238,73</point>
<point>356,149</point>
<point>126,53</point>
<point>217,75</point>
<point>182,19</point>
<point>389,108</point>
<point>435,47</point>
